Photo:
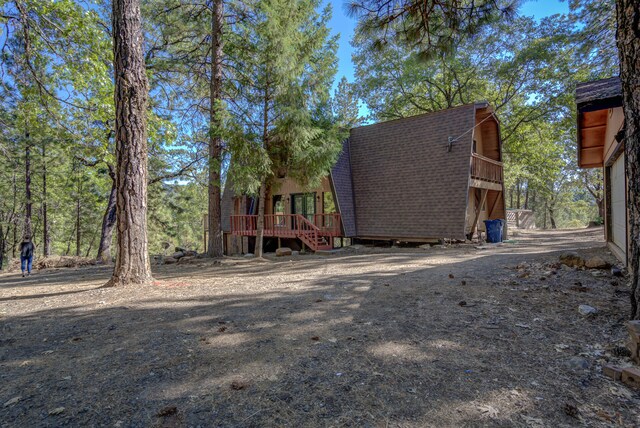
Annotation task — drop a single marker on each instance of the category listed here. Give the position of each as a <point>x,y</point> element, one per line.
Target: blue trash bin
<point>494,230</point>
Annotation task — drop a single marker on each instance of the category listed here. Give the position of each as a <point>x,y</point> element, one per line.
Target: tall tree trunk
<point>78,229</point>
<point>78,212</point>
<point>628,39</point>
<point>511,198</point>
<point>552,218</point>
<point>108,222</point>
<point>263,185</point>
<point>15,239</point>
<point>596,190</point>
<point>2,246</point>
<point>73,232</point>
<point>533,200</point>
<point>518,194</point>
<point>93,240</point>
<point>600,204</point>
<point>46,236</point>
<point>27,182</point>
<point>14,182</point>
<point>526,197</point>
<point>131,91</point>
<point>214,246</point>
<point>260,223</point>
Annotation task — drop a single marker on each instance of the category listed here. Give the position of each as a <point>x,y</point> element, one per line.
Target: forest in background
<point>278,112</point>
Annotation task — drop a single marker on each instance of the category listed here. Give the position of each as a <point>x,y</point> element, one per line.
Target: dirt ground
<point>372,337</point>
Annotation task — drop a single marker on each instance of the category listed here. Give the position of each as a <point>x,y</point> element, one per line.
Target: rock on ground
<point>283,251</point>
<point>572,259</point>
<point>587,310</point>
<point>577,363</point>
<point>596,263</point>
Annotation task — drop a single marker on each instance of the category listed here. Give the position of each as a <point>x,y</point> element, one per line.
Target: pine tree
<point>188,53</point>
<point>345,105</point>
<point>283,108</point>
<point>429,26</point>
<point>214,245</point>
<point>131,93</point>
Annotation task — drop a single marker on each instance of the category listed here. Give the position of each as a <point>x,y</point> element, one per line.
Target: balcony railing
<point>329,224</point>
<point>485,169</point>
<point>287,225</point>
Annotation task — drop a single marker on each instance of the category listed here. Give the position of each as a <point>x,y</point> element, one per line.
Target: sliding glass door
<point>304,204</point>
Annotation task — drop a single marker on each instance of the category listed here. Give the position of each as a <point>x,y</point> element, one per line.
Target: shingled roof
<point>406,183</point>
<point>341,179</point>
<point>599,94</point>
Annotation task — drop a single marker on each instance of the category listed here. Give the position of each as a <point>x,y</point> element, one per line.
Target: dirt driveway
<point>365,338</point>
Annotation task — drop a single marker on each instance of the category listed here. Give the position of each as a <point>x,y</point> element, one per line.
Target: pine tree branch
<point>182,171</point>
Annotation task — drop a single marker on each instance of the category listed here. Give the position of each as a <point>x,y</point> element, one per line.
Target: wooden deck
<point>317,234</point>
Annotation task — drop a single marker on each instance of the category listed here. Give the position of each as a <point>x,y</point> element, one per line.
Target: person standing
<point>26,255</point>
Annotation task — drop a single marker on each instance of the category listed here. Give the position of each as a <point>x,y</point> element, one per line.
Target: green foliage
<point>278,116</point>
<point>57,100</point>
<point>427,27</point>
<point>176,215</point>
<point>283,120</point>
<point>594,35</point>
<point>345,105</point>
<point>527,70</point>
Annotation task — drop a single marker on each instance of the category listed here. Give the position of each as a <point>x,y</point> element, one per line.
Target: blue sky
<point>342,24</point>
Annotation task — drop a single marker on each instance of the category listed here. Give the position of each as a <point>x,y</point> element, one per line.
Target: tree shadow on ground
<point>387,345</point>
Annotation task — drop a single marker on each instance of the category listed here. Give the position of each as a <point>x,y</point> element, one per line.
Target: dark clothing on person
<point>26,256</point>
<point>26,249</point>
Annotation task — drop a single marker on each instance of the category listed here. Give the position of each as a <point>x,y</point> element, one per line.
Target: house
<point>416,179</point>
<point>601,145</point>
<point>294,216</point>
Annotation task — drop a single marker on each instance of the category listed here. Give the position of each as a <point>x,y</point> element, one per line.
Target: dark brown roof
<point>343,189</point>
<point>599,94</point>
<point>405,181</point>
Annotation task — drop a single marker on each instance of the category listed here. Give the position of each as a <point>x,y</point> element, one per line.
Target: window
<point>304,204</point>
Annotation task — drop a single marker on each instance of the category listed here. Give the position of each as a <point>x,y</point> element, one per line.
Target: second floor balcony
<point>485,172</point>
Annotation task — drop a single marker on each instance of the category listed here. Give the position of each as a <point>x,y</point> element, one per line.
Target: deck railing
<point>244,225</point>
<point>287,225</point>
<point>485,169</point>
<point>329,224</point>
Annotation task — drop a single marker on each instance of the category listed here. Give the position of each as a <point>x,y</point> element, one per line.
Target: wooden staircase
<point>309,233</point>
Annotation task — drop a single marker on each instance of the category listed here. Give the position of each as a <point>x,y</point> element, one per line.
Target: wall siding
<point>286,187</point>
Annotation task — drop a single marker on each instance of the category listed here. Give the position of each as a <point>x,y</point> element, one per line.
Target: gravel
<point>366,338</point>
